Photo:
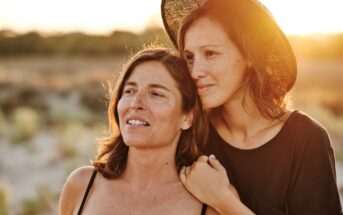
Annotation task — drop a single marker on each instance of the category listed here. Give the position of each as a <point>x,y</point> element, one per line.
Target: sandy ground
<point>26,168</point>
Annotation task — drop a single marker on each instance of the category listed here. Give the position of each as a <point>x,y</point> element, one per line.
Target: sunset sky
<point>104,16</point>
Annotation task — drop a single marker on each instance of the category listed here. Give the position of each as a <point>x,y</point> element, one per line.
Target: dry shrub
<point>4,200</point>
<point>26,123</point>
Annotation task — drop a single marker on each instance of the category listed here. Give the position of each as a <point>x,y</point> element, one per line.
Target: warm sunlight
<point>303,16</point>
<point>60,65</point>
<point>104,16</point>
<point>100,16</point>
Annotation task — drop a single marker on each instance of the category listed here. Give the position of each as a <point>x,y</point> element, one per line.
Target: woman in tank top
<point>156,122</point>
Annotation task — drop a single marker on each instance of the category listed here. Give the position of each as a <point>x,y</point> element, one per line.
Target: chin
<point>133,142</point>
<point>214,100</point>
<point>208,103</point>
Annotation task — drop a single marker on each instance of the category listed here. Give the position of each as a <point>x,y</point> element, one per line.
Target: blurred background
<point>57,57</point>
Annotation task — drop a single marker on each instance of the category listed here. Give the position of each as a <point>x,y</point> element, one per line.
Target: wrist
<point>230,203</point>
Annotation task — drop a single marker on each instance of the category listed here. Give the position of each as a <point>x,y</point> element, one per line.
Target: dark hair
<point>112,156</point>
<point>266,81</point>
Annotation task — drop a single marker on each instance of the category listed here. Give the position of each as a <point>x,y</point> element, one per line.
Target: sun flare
<point>101,16</point>
<point>304,17</point>
<point>104,16</point>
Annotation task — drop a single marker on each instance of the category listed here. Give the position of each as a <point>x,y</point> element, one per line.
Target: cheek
<point>164,113</point>
<point>167,114</point>
<point>218,68</point>
<point>232,71</point>
<point>121,108</point>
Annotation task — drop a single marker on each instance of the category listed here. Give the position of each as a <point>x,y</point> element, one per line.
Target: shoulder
<point>309,136</point>
<point>81,173</point>
<point>306,121</point>
<point>74,188</point>
<point>313,168</point>
<point>307,128</point>
<point>79,178</point>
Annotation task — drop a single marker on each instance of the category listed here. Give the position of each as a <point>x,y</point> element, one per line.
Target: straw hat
<point>277,54</point>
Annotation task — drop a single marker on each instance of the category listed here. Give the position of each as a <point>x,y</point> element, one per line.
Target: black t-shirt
<point>294,173</point>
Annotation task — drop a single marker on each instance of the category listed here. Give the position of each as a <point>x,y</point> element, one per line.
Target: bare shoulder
<point>74,188</point>
<point>79,178</point>
<point>81,174</point>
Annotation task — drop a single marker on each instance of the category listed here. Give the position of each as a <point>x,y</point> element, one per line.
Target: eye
<point>128,91</point>
<point>210,53</point>
<point>156,94</point>
<point>189,57</point>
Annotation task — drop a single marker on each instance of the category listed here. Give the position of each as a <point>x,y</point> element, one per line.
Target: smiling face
<point>214,62</point>
<point>150,108</point>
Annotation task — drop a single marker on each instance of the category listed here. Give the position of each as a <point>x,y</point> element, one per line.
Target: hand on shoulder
<point>206,179</point>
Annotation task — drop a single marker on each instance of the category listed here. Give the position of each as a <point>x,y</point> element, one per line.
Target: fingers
<point>184,173</point>
<point>214,162</point>
<point>209,161</point>
<point>188,170</point>
<point>203,158</point>
<point>183,176</point>
<point>234,191</point>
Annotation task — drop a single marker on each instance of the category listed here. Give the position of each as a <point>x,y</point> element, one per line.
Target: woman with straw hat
<point>279,160</point>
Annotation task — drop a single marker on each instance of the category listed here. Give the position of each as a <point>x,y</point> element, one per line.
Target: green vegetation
<point>121,42</point>
<point>41,204</point>
<point>2,124</point>
<point>71,133</point>
<point>4,202</point>
<point>26,124</point>
<point>118,43</point>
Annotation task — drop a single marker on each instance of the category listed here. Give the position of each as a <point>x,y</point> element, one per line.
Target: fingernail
<point>212,156</point>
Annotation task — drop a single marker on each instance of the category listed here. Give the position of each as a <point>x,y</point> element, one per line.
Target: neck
<point>150,167</point>
<point>238,119</point>
<point>244,126</point>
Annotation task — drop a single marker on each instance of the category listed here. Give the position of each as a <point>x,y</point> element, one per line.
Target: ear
<point>187,121</point>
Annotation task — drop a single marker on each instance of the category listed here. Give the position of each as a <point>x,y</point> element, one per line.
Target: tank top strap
<point>203,209</point>
<point>87,191</point>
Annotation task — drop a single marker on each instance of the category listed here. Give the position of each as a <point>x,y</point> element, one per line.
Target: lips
<point>137,121</point>
<point>203,88</point>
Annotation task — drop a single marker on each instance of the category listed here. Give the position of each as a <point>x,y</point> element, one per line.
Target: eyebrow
<point>131,83</point>
<point>206,46</point>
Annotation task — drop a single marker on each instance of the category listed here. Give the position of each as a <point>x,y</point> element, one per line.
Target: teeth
<point>136,122</point>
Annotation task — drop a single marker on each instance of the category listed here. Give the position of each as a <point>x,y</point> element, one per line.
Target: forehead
<point>151,72</point>
<point>205,30</point>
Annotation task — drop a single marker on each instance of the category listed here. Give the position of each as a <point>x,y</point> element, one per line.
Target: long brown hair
<point>113,152</point>
<point>266,84</point>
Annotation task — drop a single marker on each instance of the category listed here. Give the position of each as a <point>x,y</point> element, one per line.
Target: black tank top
<point>203,209</point>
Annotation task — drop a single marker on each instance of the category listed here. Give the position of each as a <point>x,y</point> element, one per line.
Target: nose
<point>137,103</point>
<point>198,69</point>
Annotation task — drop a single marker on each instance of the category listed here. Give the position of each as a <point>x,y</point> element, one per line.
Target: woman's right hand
<point>207,180</point>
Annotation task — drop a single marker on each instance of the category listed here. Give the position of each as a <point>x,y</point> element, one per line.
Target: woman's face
<point>214,62</point>
<point>150,108</point>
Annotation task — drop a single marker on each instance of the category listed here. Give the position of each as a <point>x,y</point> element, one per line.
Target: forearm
<point>228,203</point>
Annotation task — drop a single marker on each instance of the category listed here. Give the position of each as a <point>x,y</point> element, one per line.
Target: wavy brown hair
<point>267,82</point>
<point>113,152</point>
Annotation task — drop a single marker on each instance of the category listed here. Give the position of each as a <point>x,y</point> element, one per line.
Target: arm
<point>313,189</point>
<point>207,180</point>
